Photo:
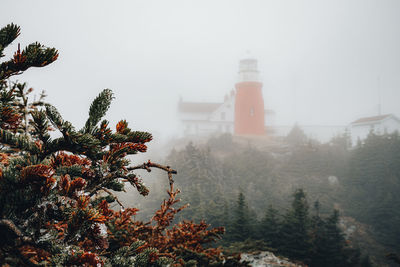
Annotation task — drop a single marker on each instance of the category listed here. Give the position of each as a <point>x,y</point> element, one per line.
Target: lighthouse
<point>249,102</point>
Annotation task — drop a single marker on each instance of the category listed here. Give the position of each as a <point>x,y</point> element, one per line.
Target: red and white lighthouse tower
<point>249,102</point>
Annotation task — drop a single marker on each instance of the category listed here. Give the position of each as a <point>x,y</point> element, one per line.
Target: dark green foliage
<point>329,246</point>
<point>366,187</point>
<point>366,261</point>
<point>393,257</point>
<point>7,35</point>
<point>34,55</point>
<point>295,230</point>
<point>98,109</point>
<point>269,228</point>
<point>55,192</point>
<point>316,241</point>
<point>373,186</point>
<point>240,228</point>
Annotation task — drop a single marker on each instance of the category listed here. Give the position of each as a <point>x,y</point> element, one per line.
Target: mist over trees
<point>223,179</point>
<point>62,194</point>
<point>373,184</point>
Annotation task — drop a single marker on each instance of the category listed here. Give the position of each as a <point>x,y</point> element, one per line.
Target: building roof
<point>198,107</point>
<point>372,119</point>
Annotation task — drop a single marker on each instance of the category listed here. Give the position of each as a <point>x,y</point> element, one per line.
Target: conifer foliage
<point>240,225</point>
<point>55,193</point>
<point>295,228</point>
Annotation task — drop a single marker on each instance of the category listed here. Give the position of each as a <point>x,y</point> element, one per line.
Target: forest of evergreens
<point>292,196</point>
<point>340,182</point>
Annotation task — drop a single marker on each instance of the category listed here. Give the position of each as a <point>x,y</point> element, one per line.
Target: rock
<point>267,259</point>
<point>333,180</point>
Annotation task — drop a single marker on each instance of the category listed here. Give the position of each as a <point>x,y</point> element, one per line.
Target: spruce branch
<point>18,141</point>
<point>7,35</point>
<point>114,196</point>
<point>148,165</point>
<point>38,55</point>
<point>73,142</point>
<point>48,216</point>
<point>9,226</point>
<point>10,231</point>
<point>133,137</point>
<point>54,117</point>
<point>34,55</point>
<point>65,127</point>
<point>98,109</point>
<point>40,125</point>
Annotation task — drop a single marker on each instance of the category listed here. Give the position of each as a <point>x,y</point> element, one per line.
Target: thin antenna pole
<point>295,98</point>
<point>379,96</point>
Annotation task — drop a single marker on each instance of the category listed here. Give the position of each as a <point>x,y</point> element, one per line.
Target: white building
<point>359,129</point>
<point>203,119</point>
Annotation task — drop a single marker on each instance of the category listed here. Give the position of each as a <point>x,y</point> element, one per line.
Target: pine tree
<point>318,238</point>
<point>240,228</point>
<point>269,228</point>
<point>295,231</point>
<point>335,242</point>
<point>56,192</point>
<point>372,186</point>
<point>296,136</point>
<point>329,247</point>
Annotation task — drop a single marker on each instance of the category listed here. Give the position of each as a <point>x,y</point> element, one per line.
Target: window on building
<point>251,111</point>
<point>222,116</point>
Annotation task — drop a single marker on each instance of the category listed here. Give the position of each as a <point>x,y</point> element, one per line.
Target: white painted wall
<point>204,128</point>
<point>360,131</point>
<point>203,124</point>
<point>226,112</point>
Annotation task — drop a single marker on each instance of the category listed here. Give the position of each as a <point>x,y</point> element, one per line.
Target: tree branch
<point>148,165</point>
<point>113,195</point>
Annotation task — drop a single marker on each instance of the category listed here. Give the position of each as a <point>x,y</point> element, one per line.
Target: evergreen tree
<point>269,228</point>
<point>56,192</point>
<point>295,231</point>
<point>240,228</point>
<point>335,242</point>
<point>328,242</point>
<point>318,238</point>
<point>216,209</point>
<point>372,186</point>
<point>296,136</point>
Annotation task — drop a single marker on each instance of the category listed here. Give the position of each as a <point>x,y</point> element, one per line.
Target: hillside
<point>211,174</point>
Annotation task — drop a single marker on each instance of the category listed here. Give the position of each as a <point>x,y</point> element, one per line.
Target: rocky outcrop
<point>267,259</point>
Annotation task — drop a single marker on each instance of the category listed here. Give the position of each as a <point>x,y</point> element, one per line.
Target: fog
<point>323,65</point>
<point>322,62</point>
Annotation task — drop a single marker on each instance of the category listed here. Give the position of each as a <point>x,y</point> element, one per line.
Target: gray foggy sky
<point>322,62</point>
